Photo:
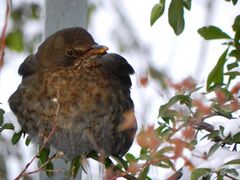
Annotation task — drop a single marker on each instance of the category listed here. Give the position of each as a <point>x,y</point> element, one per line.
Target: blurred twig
<point>3,35</point>
<point>46,140</point>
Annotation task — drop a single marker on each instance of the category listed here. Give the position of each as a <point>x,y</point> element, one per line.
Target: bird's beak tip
<point>99,48</point>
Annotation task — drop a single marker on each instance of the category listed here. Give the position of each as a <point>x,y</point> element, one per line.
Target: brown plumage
<point>74,84</point>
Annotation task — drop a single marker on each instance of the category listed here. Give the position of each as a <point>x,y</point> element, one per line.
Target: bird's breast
<point>82,89</point>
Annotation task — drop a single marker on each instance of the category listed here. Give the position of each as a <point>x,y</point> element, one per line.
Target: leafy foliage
<point>176,17</point>
<point>16,38</point>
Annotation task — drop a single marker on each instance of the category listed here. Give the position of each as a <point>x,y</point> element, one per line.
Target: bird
<point>74,86</point>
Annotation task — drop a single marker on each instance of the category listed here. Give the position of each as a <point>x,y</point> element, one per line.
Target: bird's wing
<point>29,66</point>
<point>119,67</point>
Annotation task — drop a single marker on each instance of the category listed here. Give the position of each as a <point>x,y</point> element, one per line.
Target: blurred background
<point>124,26</point>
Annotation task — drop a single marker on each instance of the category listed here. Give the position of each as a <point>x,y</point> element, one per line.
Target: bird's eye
<point>71,52</point>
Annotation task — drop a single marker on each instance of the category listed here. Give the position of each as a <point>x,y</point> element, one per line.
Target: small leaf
<point>27,141</point>
<point>144,154</point>
<point>159,76</point>
<point>187,4</point>
<point>236,137</point>
<point>130,158</point>
<point>164,150</point>
<point>216,75</point>
<point>14,40</point>
<point>108,163</point>
<point>197,173</point>
<point>1,116</point>
<point>175,16</point>
<point>232,65</point>
<point>144,174</point>
<point>162,127</point>
<point>213,149</point>
<point>235,161</point>
<point>8,126</point>
<point>163,111</point>
<point>75,166</point>
<point>234,2</point>
<point>236,24</point>
<point>235,53</point>
<point>164,164</point>
<point>165,134</point>
<point>43,155</point>
<point>233,172</point>
<point>35,11</point>
<point>157,11</point>
<point>121,161</point>
<point>16,137</point>
<point>232,74</point>
<point>212,32</point>
<point>49,169</point>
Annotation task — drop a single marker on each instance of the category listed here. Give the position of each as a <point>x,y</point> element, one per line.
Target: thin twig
<point>3,35</point>
<point>42,167</point>
<point>46,140</point>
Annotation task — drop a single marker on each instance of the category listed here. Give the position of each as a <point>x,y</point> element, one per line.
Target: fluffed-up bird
<point>72,85</point>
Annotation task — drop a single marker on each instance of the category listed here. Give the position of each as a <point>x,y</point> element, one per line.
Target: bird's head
<point>67,46</point>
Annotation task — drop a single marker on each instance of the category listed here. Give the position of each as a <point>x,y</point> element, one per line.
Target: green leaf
<point>8,126</point>
<point>169,114</point>
<point>219,177</point>
<point>144,154</point>
<point>235,161</point>
<point>35,11</point>
<point>75,166</point>
<point>121,161</point>
<point>164,109</point>
<point>16,14</point>
<point>213,149</point>
<point>197,173</point>
<point>108,163</point>
<point>232,65</point>
<point>212,32</point>
<point>236,24</point>
<point>216,75</point>
<point>233,172</point>
<point>159,76</point>
<point>16,137</point>
<point>234,2</point>
<point>14,40</point>
<point>235,53</point>
<point>144,174</point>
<point>157,11</point>
<point>232,75</point>
<point>166,163</point>
<point>160,128</point>
<point>130,157</point>
<point>187,4</point>
<point>236,137</point>
<point>49,169</point>
<point>27,141</point>
<point>193,143</point>
<point>165,134</point>
<point>175,16</point>
<point>1,116</point>
<point>43,155</point>
<point>164,150</point>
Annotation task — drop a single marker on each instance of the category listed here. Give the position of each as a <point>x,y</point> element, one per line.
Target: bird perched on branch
<point>73,88</point>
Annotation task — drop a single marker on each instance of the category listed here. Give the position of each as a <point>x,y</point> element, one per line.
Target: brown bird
<point>74,86</point>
